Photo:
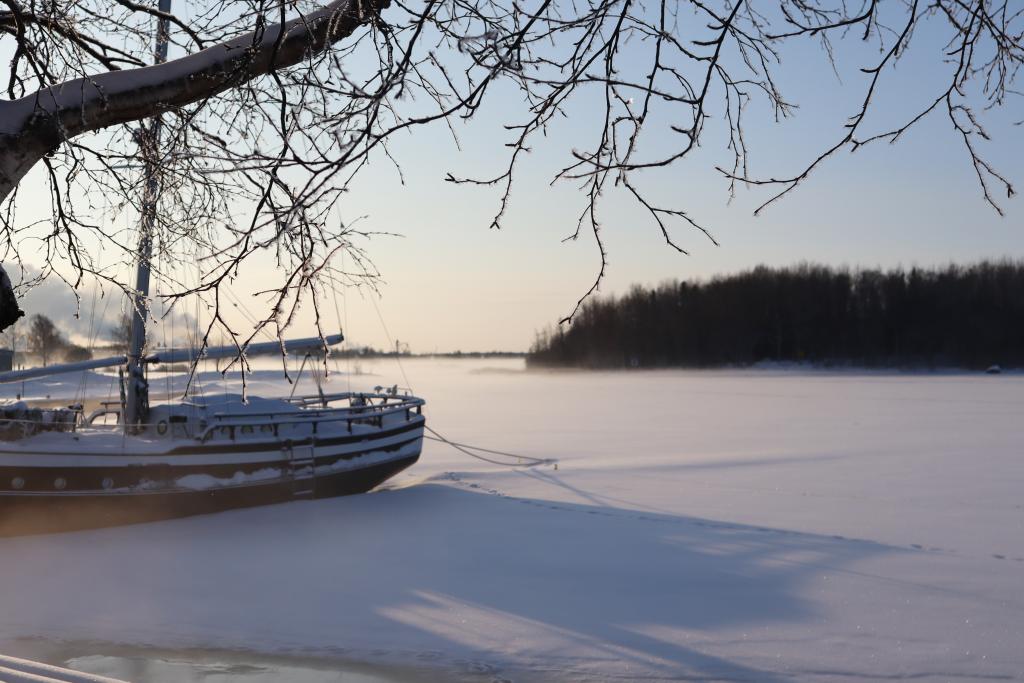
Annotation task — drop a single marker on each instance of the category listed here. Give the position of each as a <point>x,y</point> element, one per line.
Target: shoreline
<point>786,368</point>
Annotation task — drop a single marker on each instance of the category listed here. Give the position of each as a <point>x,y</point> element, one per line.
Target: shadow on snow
<point>442,569</point>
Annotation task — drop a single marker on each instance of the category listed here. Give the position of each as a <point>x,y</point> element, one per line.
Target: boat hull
<point>39,514</point>
<point>325,475</point>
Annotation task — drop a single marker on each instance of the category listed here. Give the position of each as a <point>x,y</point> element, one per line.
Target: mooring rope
<point>469,450</point>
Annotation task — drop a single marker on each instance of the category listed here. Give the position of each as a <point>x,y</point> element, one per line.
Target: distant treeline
<point>958,316</point>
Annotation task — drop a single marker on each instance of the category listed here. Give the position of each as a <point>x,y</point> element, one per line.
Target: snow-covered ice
<point>753,526</point>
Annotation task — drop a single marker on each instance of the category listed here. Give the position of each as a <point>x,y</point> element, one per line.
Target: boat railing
<point>38,427</point>
<point>365,412</point>
<point>106,408</point>
<point>401,403</point>
<point>30,421</point>
<point>366,397</point>
<point>368,413</point>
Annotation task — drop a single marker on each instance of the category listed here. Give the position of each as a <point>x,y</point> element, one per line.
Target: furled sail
<point>294,346</point>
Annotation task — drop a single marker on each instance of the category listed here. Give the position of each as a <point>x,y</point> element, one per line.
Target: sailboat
<point>128,461</point>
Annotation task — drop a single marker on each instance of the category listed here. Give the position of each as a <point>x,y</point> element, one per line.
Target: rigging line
<point>167,369</point>
<point>462,447</point>
<point>247,314</point>
<point>103,316</point>
<point>337,310</point>
<point>243,311</point>
<point>92,321</point>
<point>93,331</point>
<point>298,376</point>
<point>391,342</point>
<point>194,386</point>
<point>346,348</point>
<point>343,330</point>
<point>468,450</point>
<point>83,380</point>
<point>155,326</point>
<point>193,383</point>
<point>110,394</point>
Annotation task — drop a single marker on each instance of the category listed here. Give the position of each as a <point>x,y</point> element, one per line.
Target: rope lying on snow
<point>469,450</point>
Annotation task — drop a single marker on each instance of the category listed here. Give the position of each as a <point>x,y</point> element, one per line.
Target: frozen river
<point>751,526</point>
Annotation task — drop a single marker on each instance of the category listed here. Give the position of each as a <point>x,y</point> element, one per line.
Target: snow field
<point>752,526</point>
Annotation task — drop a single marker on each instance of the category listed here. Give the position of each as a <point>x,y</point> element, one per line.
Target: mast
<point>137,403</point>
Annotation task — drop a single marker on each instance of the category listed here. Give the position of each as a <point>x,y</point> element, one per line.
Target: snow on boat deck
<point>751,526</point>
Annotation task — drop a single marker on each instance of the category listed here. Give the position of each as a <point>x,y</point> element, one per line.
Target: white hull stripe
<point>370,459</point>
<point>262,455</point>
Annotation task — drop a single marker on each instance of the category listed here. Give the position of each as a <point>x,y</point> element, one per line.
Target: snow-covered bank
<point>712,526</point>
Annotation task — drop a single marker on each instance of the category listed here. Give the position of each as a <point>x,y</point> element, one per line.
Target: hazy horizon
<point>56,302</point>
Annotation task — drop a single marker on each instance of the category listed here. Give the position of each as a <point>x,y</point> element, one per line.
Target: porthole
<point>161,427</point>
<point>17,483</point>
<point>108,483</point>
<point>59,483</point>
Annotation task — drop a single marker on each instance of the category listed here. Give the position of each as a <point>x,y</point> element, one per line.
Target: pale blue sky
<point>451,283</point>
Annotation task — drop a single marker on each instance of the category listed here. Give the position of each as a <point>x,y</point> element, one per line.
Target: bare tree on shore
<point>44,339</point>
<point>121,331</point>
<point>277,106</point>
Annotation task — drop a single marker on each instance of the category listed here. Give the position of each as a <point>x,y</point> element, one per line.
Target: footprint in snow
<point>429,655</point>
<point>476,667</point>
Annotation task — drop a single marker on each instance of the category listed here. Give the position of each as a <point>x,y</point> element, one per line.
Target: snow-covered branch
<point>39,122</point>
